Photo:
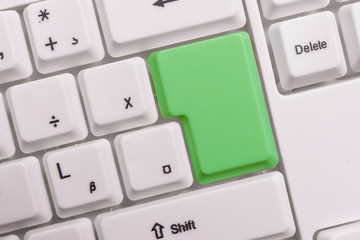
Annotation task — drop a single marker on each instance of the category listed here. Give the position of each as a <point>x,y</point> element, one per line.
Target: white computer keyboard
<point>179,119</point>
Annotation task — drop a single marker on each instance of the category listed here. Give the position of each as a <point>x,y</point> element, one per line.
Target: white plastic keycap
<point>5,4</point>
<point>15,61</point>
<point>307,50</point>
<point>47,113</point>
<point>23,197</point>
<point>79,229</point>
<point>63,34</point>
<point>255,208</point>
<point>118,96</point>
<point>273,9</point>
<point>318,134</point>
<point>349,231</point>
<point>153,161</point>
<point>7,147</point>
<point>83,178</point>
<point>12,237</point>
<point>350,25</point>
<point>163,22</point>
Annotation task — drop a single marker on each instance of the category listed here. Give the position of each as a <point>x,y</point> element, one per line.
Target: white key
<point>47,113</point>
<point>5,4</point>
<point>153,161</point>
<point>23,197</point>
<point>83,178</point>
<point>307,50</point>
<point>118,96</point>
<point>15,61</point>
<point>79,229</point>
<point>273,9</point>
<point>318,134</point>
<point>255,208</point>
<point>345,232</point>
<point>12,237</point>
<point>163,22</point>
<point>350,25</point>
<point>63,34</point>
<point>7,147</point>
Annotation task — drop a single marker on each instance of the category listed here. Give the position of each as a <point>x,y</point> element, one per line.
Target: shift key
<point>254,208</point>
<point>214,88</point>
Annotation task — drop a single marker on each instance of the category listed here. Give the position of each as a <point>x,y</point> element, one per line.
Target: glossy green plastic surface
<point>214,88</point>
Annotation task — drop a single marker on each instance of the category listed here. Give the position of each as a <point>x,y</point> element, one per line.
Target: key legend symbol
<point>75,41</point>
<point>1,55</point>
<point>158,231</point>
<point>167,169</point>
<point>43,15</point>
<point>161,3</point>
<point>54,121</point>
<point>128,103</point>
<point>51,44</point>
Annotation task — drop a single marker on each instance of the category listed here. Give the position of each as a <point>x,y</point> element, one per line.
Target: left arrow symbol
<point>1,55</point>
<point>161,3</point>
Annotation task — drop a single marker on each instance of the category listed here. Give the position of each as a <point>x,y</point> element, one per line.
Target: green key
<point>214,88</point>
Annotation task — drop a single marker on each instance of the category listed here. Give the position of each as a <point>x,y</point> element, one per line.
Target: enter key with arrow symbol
<point>161,3</point>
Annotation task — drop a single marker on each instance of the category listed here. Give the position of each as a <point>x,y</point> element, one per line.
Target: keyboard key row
<point>83,178</point>
<point>65,33</point>
<point>48,113</point>
<point>255,208</point>
<point>118,96</point>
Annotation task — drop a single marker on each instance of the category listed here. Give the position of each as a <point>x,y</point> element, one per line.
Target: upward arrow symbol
<point>158,230</point>
<point>161,3</point>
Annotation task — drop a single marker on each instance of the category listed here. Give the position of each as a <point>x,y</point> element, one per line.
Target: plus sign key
<point>63,34</point>
<point>214,88</point>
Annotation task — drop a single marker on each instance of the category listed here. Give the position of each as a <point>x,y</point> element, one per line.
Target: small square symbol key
<point>153,161</point>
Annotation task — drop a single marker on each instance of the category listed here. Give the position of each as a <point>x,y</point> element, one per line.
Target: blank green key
<point>214,88</point>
